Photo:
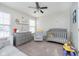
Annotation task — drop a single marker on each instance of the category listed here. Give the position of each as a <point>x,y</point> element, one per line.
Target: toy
<point>69,49</point>
<point>14,30</point>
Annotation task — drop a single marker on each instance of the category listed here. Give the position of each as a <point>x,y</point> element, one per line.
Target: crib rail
<point>59,35</point>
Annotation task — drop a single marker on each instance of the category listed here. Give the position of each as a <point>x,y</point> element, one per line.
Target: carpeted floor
<point>41,49</point>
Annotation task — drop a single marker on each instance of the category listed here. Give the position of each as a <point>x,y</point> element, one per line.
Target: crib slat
<point>60,35</point>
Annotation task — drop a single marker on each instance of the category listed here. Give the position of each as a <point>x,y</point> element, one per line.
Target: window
<point>4,25</point>
<point>32,26</point>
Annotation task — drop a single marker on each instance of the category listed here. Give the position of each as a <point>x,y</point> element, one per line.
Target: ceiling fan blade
<point>43,7</point>
<point>32,7</point>
<point>37,5</point>
<point>41,11</point>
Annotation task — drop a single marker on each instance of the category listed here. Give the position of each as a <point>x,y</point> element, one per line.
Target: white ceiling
<point>52,7</point>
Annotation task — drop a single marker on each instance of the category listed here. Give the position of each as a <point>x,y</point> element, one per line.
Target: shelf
<point>22,24</point>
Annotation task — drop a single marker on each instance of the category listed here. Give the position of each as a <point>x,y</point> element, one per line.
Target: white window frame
<point>32,26</point>
<point>5,33</point>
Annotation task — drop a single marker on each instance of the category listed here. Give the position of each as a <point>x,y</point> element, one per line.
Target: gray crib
<point>57,35</point>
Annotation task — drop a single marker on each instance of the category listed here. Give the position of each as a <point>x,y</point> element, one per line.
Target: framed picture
<point>74,16</point>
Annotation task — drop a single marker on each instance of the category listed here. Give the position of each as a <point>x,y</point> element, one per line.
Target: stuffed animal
<point>69,49</point>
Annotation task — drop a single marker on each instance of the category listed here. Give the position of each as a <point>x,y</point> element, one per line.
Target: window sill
<point>5,38</point>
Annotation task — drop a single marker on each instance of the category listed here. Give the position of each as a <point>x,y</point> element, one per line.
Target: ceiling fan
<point>38,8</point>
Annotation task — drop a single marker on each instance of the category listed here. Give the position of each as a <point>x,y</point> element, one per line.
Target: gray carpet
<point>41,49</point>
